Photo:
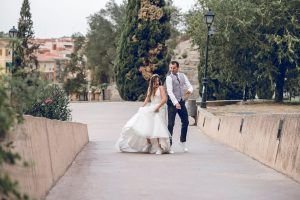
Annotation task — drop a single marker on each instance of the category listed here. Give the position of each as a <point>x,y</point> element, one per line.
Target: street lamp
<point>208,18</point>
<point>13,34</point>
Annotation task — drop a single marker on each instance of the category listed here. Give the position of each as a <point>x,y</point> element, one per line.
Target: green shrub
<point>24,90</point>
<point>7,115</point>
<point>52,103</point>
<point>8,118</point>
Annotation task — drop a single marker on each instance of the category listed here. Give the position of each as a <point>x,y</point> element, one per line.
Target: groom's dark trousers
<point>183,114</point>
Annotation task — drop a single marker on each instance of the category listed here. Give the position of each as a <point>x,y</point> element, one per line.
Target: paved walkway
<point>209,171</point>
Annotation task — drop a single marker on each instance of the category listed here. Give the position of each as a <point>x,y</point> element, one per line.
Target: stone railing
<point>273,139</point>
<point>49,146</point>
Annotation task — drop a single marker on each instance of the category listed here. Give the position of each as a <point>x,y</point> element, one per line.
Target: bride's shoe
<point>171,151</point>
<point>147,148</point>
<point>158,152</point>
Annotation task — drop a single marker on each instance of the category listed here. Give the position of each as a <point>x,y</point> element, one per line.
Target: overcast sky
<point>56,18</point>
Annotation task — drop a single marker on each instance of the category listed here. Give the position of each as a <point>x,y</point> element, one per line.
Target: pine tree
<point>142,50</point>
<point>25,47</point>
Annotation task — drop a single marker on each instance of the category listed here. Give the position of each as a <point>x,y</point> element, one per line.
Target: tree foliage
<point>8,118</point>
<point>142,50</point>
<point>76,68</point>
<point>176,22</point>
<point>25,83</point>
<point>104,31</point>
<point>24,45</point>
<point>256,44</point>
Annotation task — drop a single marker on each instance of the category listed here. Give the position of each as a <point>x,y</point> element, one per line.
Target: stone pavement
<point>209,171</point>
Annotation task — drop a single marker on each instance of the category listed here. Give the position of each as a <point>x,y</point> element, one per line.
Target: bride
<point>147,130</point>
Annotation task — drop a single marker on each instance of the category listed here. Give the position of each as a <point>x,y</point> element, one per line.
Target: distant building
<point>53,56</point>
<point>61,46</point>
<point>52,67</point>
<point>5,56</point>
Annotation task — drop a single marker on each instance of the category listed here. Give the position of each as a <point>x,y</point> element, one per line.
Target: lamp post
<point>209,18</point>
<point>13,34</point>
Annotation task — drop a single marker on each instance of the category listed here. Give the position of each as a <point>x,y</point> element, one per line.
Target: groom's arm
<point>170,90</point>
<point>188,84</point>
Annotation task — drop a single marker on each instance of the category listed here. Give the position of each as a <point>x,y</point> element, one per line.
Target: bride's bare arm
<point>146,99</point>
<point>163,98</point>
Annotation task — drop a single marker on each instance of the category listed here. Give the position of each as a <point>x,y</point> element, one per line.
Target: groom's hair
<point>174,62</point>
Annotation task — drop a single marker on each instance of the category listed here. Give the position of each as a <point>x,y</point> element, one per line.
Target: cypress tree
<point>25,47</point>
<point>142,50</point>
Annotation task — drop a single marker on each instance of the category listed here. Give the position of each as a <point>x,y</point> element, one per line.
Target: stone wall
<point>49,146</point>
<point>113,93</point>
<point>273,139</point>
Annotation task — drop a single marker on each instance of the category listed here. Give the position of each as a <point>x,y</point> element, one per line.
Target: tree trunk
<point>280,83</point>
<point>246,92</point>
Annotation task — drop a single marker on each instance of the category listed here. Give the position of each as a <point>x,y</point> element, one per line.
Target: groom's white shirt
<point>169,85</point>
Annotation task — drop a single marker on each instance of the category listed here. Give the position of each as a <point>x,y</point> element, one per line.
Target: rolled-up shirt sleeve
<point>188,84</point>
<point>170,90</point>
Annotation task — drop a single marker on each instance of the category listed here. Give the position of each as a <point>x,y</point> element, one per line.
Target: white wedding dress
<point>146,124</point>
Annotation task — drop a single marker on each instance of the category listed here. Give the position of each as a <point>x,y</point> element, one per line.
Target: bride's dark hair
<point>151,91</point>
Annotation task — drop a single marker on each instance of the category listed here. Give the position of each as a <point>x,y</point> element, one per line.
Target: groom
<point>176,83</point>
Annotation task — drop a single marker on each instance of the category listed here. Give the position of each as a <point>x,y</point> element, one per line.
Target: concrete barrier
<point>273,139</point>
<point>288,157</point>
<point>49,146</point>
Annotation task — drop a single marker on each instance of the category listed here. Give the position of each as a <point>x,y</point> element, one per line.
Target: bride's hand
<point>156,110</point>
